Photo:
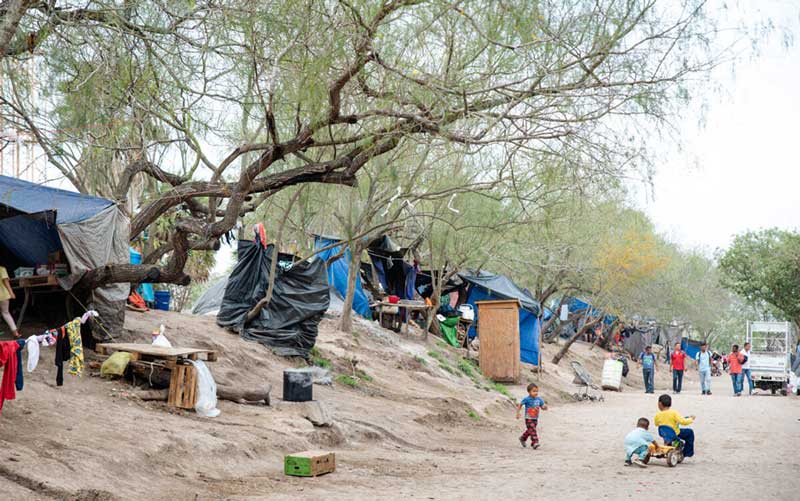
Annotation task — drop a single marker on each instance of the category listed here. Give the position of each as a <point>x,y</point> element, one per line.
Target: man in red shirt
<point>735,361</point>
<point>676,361</point>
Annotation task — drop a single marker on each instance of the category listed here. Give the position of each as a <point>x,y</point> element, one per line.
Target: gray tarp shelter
<point>37,220</point>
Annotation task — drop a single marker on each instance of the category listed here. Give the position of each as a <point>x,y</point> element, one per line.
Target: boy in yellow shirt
<point>668,422</point>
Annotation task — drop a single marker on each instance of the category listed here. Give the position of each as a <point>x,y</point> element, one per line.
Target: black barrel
<point>297,385</point>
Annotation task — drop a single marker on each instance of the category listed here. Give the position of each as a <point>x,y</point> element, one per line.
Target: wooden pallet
<point>183,387</point>
<point>35,281</point>
<point>148,352</point>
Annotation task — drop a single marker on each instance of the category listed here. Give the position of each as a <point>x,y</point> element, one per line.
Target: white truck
<point>772,345</point>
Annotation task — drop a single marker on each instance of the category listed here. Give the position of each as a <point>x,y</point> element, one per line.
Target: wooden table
<point>183,376</point>
<point>406,304</point>
<point>42,284</point>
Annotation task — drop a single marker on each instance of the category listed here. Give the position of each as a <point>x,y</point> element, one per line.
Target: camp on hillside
<point>50,237</point>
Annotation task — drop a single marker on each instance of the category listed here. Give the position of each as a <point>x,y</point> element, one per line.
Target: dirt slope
<point>414,400</point>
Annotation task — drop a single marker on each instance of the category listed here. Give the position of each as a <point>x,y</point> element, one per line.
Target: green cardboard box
<point>309,463</point>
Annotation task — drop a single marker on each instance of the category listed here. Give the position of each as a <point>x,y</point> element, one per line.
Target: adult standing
<point>735,360</point>
<point>677,361</point>
<point>648,361</point>
<point>704,368</point>
<point>746,368</point>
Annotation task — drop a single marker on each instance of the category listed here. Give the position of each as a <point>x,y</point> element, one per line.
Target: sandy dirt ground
<point>418,426</point>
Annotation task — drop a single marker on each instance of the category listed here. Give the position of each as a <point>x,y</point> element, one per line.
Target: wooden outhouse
<point>498,331</point>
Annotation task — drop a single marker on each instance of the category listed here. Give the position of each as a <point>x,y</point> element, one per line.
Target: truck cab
<point>772,344</point>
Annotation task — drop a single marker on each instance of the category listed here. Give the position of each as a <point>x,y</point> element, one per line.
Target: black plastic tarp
<point>288,324</point>
<point>502,286</point>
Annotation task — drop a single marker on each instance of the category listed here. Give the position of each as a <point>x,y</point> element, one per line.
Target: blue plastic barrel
<point>162,300</point>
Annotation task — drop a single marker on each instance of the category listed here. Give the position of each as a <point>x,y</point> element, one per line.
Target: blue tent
<point>36,220</point>
<point>337,274</point>
<point>576,305</point>
<point>30,215</point>
<point>486,286</point>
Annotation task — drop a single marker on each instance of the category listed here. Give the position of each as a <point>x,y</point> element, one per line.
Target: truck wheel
<point>772,390</point>
<point>783,391</point>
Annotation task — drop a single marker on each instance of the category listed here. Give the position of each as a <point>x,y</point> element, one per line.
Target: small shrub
<point>467,368</point>
<point>347,380</point>
<point>474,415</point>
<point>501,389</point>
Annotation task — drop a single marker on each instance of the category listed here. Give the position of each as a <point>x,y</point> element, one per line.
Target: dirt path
<point>751,443</point>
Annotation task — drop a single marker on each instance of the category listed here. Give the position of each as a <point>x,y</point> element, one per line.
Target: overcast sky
<point>740,170</point>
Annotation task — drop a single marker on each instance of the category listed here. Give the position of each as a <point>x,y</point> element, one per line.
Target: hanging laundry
<point>19,382</point>
<point>76,347</point>
<point>8,359</point>
<point>62,354</point>
<point>32,347</point>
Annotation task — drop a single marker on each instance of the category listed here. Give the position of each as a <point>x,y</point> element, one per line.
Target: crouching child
<point>637,444</point>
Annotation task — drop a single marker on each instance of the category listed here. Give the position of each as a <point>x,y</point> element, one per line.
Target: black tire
<point>773,390</point>
<point>681,457</point>
<point>783,391</point>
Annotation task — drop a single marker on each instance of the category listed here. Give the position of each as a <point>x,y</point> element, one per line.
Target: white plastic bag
<point>206,404</point>
<point>161,339</point>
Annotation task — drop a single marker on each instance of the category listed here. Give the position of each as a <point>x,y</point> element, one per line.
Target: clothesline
<point>69,347</point>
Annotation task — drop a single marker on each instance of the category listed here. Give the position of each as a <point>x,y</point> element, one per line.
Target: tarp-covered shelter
<point>691,347</point>
<point>289,322</point>
<point>578,306</point>
<point>210,301</point>
<point>337,273</point>
<point>396,276</point>
<point>37,220</point>
<point>485,286</point>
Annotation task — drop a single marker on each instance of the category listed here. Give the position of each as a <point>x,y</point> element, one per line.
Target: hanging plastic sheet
<point>300,297</point>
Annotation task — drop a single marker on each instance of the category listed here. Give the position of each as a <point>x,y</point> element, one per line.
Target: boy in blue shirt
<point>648,360</point>
<point>532,404</point>
<point>637,443</point>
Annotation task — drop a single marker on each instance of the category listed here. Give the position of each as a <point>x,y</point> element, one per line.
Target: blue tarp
<point>529,326</point>
<point>145,290</point>
<point>337,275</point>
<point>29,240</point>
<point>576,305</point>
<point>31,198</point>
<point>690,347</point>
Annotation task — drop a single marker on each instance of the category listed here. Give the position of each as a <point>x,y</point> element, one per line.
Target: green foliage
<point>474,415</point>
<point>764,267</point>
<point>347,380</point>
<point>500,389</point>
<point>467,367</point>
<point>318,360</point>
<point>421,360</point>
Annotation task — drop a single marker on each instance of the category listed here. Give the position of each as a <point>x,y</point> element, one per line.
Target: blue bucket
<point>162,300</point>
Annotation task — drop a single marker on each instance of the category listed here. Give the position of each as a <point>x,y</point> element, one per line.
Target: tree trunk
<point>583,330</point>
<point>352,274</point>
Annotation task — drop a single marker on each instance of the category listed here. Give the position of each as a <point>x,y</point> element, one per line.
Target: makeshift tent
<point>337,273</point>
<point>395,275</point>
<point>635,340</point>
<point>691,347</point>
<point>36,220</point>
<point>486,286</point>
<point>576,306</point>
<point>211,300</point>
<point>300,297</point>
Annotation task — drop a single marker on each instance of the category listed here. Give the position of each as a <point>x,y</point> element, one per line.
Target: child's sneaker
<point>535,446</point>
<point>523,442</point>
<point>639,463</point>
<point>628,462</point>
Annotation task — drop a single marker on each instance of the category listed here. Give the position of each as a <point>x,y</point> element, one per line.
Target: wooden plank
<point>153,351</point>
